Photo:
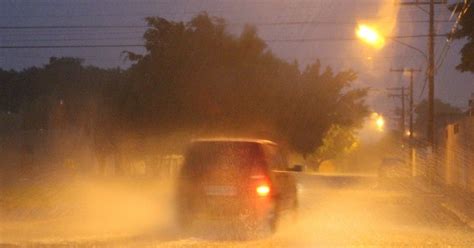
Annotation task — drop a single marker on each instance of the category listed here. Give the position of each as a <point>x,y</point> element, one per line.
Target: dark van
<point>242,180</point>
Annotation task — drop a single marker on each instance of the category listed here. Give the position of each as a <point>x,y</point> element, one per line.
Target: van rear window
<point>231,158</point>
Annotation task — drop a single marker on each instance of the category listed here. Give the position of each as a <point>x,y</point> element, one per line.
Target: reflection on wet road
<point>337,215</point>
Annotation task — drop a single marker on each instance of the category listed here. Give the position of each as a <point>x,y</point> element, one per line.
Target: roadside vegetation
<point>195,78</point>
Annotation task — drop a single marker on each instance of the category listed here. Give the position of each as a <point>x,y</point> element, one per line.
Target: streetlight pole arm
<point>412,47</point>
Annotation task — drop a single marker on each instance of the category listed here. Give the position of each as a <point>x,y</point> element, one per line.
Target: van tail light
<point>260,182</point>
<point>263,190</point>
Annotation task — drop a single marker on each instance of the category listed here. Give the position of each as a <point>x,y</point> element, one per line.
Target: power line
<point>350,38</point>
<point>76,39</point>
<point>74,46</point>
<point>82,33</point>
<point>141,45</point>
<point>232,23</point>
<point>161,13</point>
<point>447,44</point>
<point>335,38</point>
<point>73,27</point>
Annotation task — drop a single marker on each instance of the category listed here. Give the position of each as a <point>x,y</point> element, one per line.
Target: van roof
<point>223,139</point>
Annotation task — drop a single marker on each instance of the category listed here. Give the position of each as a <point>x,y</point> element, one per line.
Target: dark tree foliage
<point>198,76</point>
<point>195,77</point>
<point>8,102</point>
<point>465,31</point>
<point>443,112</point>
<point>62,94</point>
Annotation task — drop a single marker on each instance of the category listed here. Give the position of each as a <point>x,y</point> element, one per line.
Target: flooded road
<point>331,214</point>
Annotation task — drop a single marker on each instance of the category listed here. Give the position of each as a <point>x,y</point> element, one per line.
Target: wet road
<point>331,214</point>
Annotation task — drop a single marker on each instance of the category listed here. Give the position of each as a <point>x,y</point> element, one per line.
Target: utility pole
<point>410,95</point>
<point>471,105</point>
<point>431,64</point>
<point>411,151</point>
<point>403,111</point>
<point>431,79</point>
<point>402,96</point>
<point>430,128</point>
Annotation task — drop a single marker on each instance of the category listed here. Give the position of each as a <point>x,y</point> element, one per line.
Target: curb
<point>462,217</point>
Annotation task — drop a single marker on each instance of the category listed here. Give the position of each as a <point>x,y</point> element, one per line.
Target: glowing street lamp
<point>380,123</point>
<point>370,36</point>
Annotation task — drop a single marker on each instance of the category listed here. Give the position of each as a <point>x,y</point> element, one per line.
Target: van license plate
<point>220,190</point>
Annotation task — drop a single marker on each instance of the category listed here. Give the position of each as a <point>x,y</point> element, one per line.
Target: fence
<point>455,155</point>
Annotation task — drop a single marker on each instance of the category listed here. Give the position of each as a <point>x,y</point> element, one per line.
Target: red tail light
<point>260,182</point>
<point>263,190</point>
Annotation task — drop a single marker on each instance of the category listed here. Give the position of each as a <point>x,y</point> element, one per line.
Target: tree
<point>443,111</point>
<point>465,31</point>
<point>7,101</point>
<point>320,100</point>
<point>337,142</point>
<point>198,76</point>
<point>63,93</point>
<point>194,76</point>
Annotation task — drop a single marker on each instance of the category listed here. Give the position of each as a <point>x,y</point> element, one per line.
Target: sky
<point>323,29</point>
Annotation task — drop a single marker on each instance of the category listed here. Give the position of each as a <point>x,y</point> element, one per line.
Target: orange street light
<point>380,123</point>
<point>370,36</point>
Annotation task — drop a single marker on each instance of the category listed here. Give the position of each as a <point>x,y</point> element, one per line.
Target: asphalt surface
<point>334,211</point>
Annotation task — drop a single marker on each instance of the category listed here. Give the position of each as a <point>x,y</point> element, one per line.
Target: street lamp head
<point>370,36</point>
<point>380,123</point>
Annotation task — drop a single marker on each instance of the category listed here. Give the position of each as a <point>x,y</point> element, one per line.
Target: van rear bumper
<point>213,208</point>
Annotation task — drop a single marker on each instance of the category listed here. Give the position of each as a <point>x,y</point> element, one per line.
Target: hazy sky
<point>275,20</point>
